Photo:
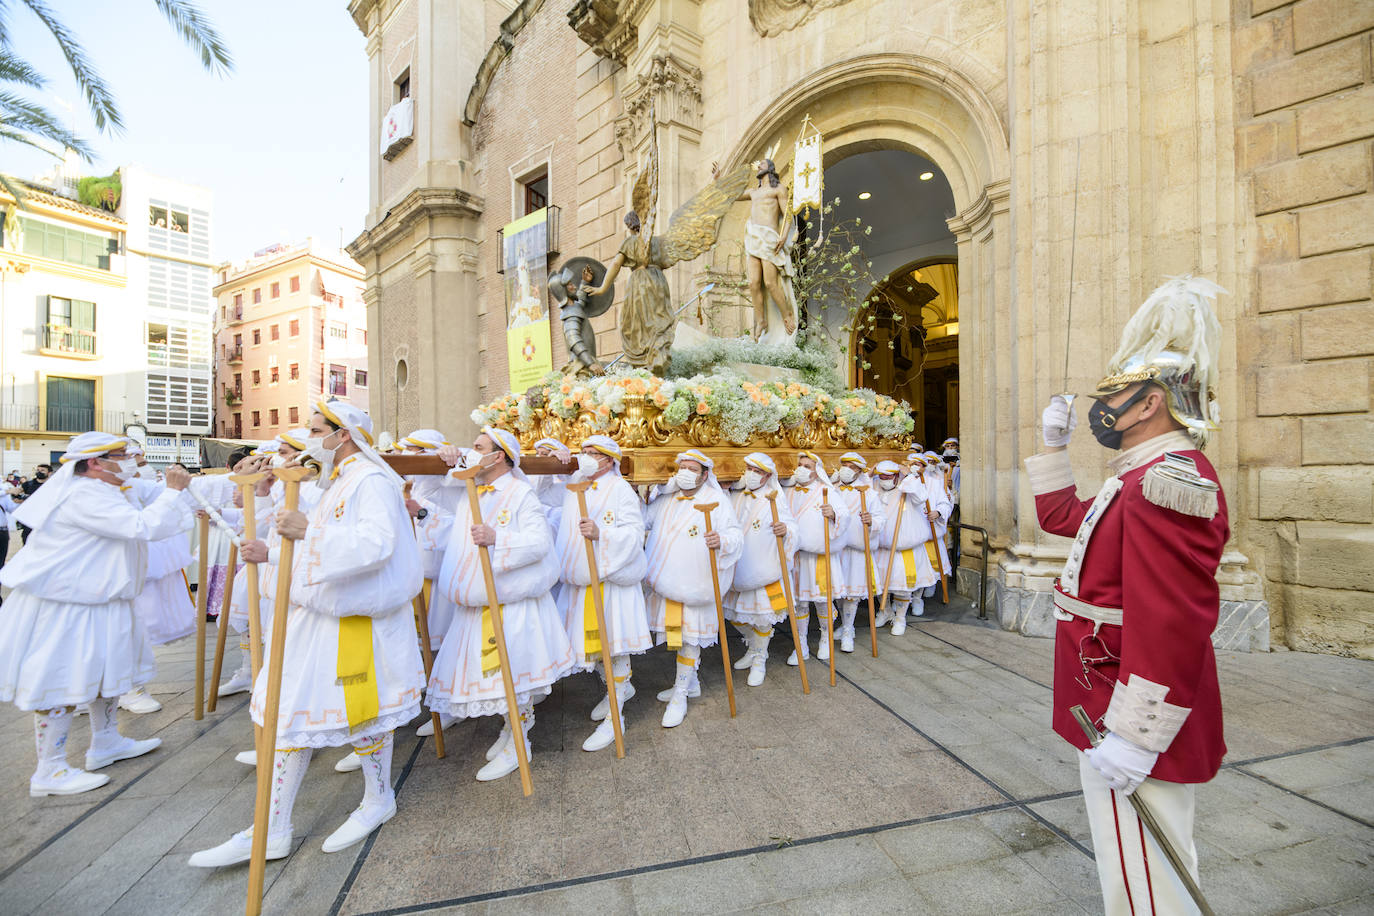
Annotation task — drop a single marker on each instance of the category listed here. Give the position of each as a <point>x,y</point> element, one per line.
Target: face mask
<point>686,480</point>
<point>128,468</point>
<point>278,461</point>
<point>587,466</point>
<point>802,475</point>
<point>752,479</point>
<point>1102,419</point>
<point>316,449</point>
<point>887,483</point>
<point>847,474</point>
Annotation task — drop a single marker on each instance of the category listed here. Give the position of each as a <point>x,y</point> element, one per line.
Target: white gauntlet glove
<point>1123,764</point>
<point>1058,422</point>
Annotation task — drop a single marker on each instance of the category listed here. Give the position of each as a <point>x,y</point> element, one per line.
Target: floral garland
<point>744,408</point>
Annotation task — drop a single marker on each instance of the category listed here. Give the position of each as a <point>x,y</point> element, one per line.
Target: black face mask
<point>1102,419</point>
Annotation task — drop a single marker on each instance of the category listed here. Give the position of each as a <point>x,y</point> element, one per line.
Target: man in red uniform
<point>1138,598</point>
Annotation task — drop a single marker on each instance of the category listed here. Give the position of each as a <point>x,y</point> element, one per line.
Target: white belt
<point>1066,606</point>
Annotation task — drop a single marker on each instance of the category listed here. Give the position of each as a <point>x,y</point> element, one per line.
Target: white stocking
<point>848,608</point>
<point>288,772</point>
<point>50,735</point>
<point>375,755</point>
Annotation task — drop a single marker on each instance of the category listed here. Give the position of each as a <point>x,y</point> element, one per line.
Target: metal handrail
<point>983,574</point>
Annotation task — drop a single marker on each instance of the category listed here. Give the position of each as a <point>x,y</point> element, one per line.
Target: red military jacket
<point>1153,678</point>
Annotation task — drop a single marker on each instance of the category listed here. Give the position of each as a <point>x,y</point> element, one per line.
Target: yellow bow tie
<point>683,497</point>
<point>484,488</point>
<point>593,486</point>
<point>802,489</point>
<point>845,487</point>
<point>751,494</point>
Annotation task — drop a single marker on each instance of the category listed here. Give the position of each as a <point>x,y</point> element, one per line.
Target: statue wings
<point>692,230</point>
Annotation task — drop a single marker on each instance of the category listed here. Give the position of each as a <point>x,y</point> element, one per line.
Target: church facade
<point>1037,167</point>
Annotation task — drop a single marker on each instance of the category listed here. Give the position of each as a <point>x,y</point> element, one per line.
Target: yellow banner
<point>529,354</point>
<point>524,258</point>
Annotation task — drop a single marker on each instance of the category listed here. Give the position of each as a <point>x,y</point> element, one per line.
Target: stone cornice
<point>500,49</point>
<point>421,203</point>
<point>996,198</point>
<point>608,26</point>
<point>773,17</point>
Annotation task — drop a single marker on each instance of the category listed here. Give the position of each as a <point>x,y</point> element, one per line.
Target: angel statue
<point>646,319</point>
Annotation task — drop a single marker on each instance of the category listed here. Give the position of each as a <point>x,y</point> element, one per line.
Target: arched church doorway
<point>904,340</point>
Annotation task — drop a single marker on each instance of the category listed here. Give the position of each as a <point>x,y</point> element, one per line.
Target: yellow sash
<point>909,566</point>
<point>591,633</point>
<point>356,673</point>
<point>491,658</point>
<point>934,558</point>
<point>672,623</point>
<point>822,568</point>
<point>777,598</point>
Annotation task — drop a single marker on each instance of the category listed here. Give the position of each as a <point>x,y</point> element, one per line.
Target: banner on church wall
<point>806,171</point>
<point>524,257</point>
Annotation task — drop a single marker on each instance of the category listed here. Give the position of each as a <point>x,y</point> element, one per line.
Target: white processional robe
<point>164,603</point>
<point>68,631</point>
<point>265,525</point>
<point>466,679</point>
<point>756,595</point>
<point>912,568</point>
<point>351,668</point>
<point>809,568</point>
<point>682,602</point>
<point>619,549</point>
<point>940,502</point>
<point>849,575</point>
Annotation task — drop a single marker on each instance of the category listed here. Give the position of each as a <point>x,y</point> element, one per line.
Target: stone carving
<point>772,17</point>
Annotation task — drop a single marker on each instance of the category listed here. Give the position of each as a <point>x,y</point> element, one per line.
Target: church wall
<point>526,120</point>
<point>1305,121</point>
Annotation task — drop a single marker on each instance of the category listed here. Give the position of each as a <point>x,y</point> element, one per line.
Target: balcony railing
<point>236,314</point>
<point>233,398</point>
<point>60,419</point>
<point>235,355</point>
<point>59,338</point>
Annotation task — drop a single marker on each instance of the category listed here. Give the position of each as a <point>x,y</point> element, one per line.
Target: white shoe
<point>349,763</point>
<point>919,612</point>
<point>123,749</point>
<point>823,650</point>
<point>504,763</point>
<point>884,618</point>
<point>604,736</point>
<point>899,625</point>
<point>847,640</point>
<point>427,730</point>
<point>238,848</point>
<point>623,692</point>
<point>241,682</point>
<point>247,758</point>
<point>677,709</point>
<point>693,692</point>
<point>359,824</point>
<point>757,670</point>
<point>502,740</point>
<point>792,659</point>
<point>745,660</point>
<point>66,781</point>
<point>138,701</point>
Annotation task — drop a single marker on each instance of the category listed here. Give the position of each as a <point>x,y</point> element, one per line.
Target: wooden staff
<point>202,597</point>
<point>267,747</point>
<point>829,591</point>
<point>939,558</point>
<point>248,483</point>
<point>787,591</point>
<point>720,612</point>
<point>892,552</point>
<point>421,608</point>
<point>222,630</point>
<point>868,573</point>
<point>469,477</point>
<point>599,602</point>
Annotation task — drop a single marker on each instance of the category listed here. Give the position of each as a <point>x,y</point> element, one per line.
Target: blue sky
<point>282,141</point>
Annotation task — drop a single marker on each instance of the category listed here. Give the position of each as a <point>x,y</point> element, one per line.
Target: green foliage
<point>101,192</point>
<point>812,358</point>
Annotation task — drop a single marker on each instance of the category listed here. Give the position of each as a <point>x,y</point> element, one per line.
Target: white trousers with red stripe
<point>1136,878</point>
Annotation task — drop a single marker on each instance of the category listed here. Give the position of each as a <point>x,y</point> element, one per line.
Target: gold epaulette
<point>1175,483</point>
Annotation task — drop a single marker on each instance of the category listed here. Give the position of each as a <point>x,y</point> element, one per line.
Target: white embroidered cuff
<point>1138,713</point>
<point>1049,472</point>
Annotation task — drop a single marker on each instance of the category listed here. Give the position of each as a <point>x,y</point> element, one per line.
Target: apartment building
<point>291,328</point>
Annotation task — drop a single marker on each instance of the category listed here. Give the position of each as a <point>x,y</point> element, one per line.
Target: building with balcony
<point>71,332</point>
<point>171,276</point>
<point>290,328</point>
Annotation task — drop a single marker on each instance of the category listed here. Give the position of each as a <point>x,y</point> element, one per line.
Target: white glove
<point>1058,422</point>
<point>1122,763</point>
